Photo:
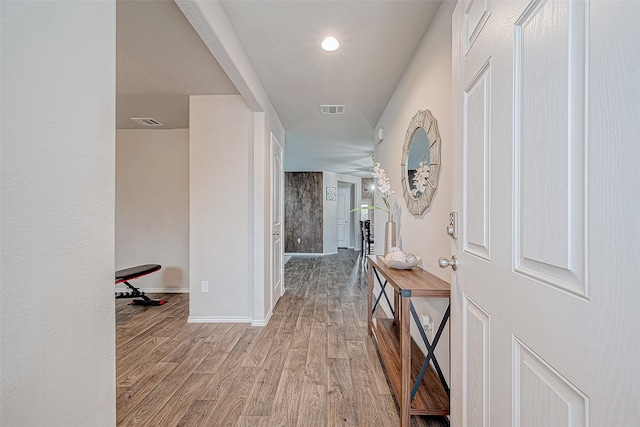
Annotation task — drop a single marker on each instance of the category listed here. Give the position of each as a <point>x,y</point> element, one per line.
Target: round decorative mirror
<point>421,162</point>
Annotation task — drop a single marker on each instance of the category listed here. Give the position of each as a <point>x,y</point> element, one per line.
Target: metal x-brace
<point>430,351</point>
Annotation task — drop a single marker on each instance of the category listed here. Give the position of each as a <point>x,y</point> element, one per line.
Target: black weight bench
<point>123,276</point>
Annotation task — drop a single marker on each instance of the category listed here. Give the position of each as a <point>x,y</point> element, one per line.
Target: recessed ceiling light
<point>330,44</point>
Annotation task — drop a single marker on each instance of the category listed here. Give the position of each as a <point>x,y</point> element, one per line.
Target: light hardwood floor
<point>312,365</point>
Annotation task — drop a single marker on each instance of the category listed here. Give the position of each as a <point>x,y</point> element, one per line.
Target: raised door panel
<point>476,14</point>
<point>543,397</point>
<point>477,111</point>
<point>550,144</point>
<point>476,373</point>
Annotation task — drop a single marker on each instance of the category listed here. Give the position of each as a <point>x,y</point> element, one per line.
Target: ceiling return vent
<point>332,109</point>
<point>146,121</point>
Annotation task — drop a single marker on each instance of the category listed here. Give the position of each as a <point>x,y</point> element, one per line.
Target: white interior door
<point>545,120</point>
<point>344,217</point>
<point>277,225</point>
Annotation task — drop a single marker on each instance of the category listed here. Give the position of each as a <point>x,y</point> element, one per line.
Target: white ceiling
<point>161,61</point>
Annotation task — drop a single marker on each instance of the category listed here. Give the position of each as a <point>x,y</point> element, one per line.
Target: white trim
<point>124,288</point>
<point>258,234</point>
<point>218,319</point>
<point>262,322</point>
<point>310,254</point>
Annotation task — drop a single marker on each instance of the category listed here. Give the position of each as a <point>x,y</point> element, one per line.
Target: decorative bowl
<point>400,265</point>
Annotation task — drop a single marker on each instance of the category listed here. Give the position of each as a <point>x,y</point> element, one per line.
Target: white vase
<point>389,235</point>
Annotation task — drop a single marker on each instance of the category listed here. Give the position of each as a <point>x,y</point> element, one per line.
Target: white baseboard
<point>218,319</point>
<point>262,322</point>
<point>302,254</point>
<point>123,288</point>
<point>309,254</point>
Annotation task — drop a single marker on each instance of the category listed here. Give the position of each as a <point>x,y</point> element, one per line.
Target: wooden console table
<point>419,387</point>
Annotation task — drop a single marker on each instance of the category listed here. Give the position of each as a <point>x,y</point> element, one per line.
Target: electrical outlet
<point>427,324</point>
<point>204,286</point>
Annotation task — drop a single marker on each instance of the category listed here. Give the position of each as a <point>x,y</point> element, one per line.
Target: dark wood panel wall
<point>303,194</point>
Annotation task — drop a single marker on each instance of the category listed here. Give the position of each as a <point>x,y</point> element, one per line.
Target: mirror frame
<point>423,119</point>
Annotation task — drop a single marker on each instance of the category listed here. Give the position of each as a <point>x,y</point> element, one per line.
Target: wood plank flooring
<point>312,365</point>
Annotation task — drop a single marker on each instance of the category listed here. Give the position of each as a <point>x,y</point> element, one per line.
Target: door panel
<point>344,217</point>
<point>520,189</point>
<point>549,134</point>
<point>543,397</point>
<point>477,150</point>
<point>476,365</point>
<point>277,224</point>
<point>475,15</point>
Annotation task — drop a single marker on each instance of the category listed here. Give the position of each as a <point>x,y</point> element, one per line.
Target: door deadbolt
<point>452,228</point>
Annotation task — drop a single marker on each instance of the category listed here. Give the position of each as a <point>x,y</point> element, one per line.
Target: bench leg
<point>137,293</point>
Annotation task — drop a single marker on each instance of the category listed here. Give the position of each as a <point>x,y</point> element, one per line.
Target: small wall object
<point>331,193</point>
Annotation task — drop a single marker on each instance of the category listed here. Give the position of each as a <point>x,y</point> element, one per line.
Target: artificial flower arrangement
<point>420,178</point>
<point>383,185</point>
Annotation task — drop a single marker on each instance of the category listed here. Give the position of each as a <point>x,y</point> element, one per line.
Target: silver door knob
<point>276,233</point>
<point>444,263</point>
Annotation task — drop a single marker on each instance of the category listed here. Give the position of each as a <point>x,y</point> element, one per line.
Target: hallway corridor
<point>312,365</point>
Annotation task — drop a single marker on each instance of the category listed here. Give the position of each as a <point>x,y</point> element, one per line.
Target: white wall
<point>152,205</point>
<point>221,131</point>
<point>57,183</point>
<point>426,84</point>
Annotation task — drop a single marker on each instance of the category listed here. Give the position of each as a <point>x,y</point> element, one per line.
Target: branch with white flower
<point>383,185</point>
<point>420,178</point>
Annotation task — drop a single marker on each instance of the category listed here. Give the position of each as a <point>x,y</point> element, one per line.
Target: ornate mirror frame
<point>423,119</point>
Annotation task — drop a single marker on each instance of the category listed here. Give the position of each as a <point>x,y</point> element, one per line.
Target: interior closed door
<point>344,218</point>
<point>545,119</point>
<point>277,225</point>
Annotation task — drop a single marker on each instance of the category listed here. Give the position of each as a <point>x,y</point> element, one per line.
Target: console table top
<point>419,282</point>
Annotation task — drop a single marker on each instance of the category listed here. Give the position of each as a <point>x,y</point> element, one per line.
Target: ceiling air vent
<point>332,109</point>
<point>146,121</point>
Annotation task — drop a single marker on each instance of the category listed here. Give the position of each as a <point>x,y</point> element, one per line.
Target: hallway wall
<point>221,132</point>
<point>426,84</point>
<point>152,205</point>
<point>58,161</point>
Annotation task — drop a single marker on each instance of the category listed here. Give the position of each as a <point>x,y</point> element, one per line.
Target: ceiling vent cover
<point>332,109</point>
<point>146,121</point>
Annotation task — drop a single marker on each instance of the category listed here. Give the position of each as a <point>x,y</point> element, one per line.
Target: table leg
<point>405,351</point>
<point>369,298</point>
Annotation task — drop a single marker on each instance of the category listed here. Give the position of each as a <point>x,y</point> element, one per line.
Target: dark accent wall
<point>303,212</point>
